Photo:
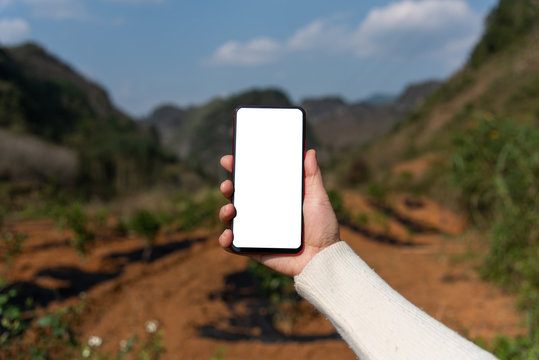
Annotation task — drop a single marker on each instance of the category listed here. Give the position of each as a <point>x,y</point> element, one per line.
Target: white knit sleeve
<point>375,320</point>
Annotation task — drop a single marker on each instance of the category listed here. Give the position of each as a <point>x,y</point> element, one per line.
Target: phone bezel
<point>257,250</point>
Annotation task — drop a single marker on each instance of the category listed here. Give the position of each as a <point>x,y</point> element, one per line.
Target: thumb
<point>314,185</point>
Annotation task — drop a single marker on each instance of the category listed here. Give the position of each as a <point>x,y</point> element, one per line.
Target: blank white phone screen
<point>268,178</point>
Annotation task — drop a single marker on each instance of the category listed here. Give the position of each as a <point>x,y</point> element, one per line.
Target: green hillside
<point>501,79</point>
<point>474,145</point>
<point>43,97</point>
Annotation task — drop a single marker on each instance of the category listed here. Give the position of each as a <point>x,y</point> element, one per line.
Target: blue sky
<point>147,52</point>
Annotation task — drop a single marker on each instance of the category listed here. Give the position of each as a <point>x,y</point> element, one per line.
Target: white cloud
<point>409,28</point>
<point>13,30</point>
<point>58,9</point>
<point>320,34</point>
<point>404,29</point>
<point>255,52</point>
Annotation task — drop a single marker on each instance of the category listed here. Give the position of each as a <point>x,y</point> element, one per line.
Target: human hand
<point>320,223</point>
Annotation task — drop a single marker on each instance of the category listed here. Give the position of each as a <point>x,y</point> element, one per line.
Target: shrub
<point>496,167</point>
<point>145,224</point>
<point>278,288</point>
<point>12,244</point>
<point>377,191</point>
<point>193,213</point>
<point>338,205</point>
<point>77,221</point>
<point>12,323</point>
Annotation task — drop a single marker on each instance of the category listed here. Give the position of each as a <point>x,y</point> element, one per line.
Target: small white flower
<point>82,295</point>
<point>123,345</point>
<point>86,352</point>
<point>151,326</point>
<point>95,341</point>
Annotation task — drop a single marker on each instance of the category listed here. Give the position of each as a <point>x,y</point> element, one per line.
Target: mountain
<point>378,99</point>
<point>500,79</point>
<point>202,134</point>
<point>166,119</point>
<point>339,125</point>
<point>44,101</point>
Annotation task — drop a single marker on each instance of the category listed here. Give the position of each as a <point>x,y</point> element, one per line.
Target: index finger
<point>227,162</point>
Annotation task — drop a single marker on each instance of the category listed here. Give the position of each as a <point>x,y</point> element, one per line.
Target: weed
<point>219,354</point>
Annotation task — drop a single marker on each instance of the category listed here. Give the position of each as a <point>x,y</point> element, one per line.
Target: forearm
<point>375,320</point>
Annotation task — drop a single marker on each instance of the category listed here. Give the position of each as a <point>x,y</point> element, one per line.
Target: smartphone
<point>268,176</point>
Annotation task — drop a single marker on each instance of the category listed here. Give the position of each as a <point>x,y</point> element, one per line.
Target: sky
<point>150,52</point>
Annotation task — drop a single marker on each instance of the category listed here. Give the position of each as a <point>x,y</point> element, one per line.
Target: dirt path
<point>204,300</point>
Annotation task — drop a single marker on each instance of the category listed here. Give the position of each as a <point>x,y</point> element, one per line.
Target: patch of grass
<point>54,336</point>
<point>496,167</point>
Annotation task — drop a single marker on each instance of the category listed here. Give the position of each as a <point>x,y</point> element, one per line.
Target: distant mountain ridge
<point>201,134</point>
<point>339,125</point>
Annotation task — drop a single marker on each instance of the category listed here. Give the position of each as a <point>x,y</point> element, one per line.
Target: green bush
<point>337,203</point>
<point>516,349</point>
<point>74,218</point>
<point>278,288</point>
<point>78,222</point>
<point>496,167</point>
<point>12,322</point>
<point>12,244</point>
<point>377,191</point>
<point>519,348</point>
<point>194,213</point>
<point>145,224</point>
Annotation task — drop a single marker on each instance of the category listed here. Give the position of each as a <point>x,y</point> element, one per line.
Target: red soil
<point>203,300</point>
